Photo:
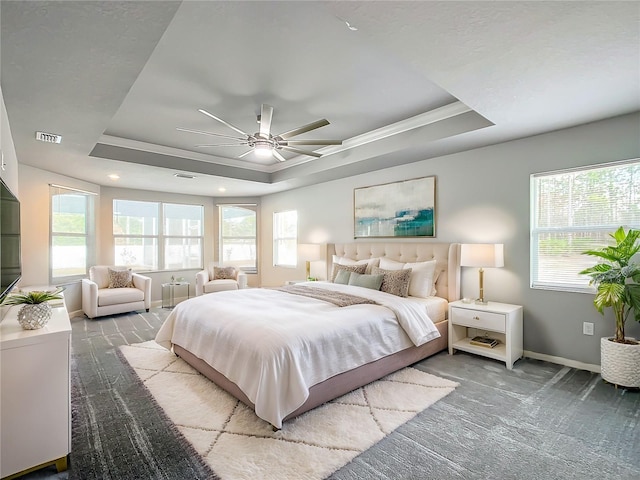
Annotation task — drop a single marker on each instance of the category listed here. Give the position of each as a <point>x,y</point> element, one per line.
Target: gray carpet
<point>538,421</point>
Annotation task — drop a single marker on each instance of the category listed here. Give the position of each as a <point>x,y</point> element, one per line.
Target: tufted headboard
<point>447,257</point>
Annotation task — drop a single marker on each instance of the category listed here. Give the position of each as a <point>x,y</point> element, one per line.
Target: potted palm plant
<point>617,283</point>
<point>36,309</point>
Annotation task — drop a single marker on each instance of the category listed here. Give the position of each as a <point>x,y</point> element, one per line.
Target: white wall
<point>481,196</point>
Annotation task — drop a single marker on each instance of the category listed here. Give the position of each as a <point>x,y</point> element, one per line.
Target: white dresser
<point>35,396</point>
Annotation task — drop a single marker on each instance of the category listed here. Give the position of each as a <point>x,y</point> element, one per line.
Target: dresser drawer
<point>478,319</point>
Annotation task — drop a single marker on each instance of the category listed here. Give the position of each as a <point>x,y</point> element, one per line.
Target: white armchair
<point>98,299</point>
<point>208,282</point>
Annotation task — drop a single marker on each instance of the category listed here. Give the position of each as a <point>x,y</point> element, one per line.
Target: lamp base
<point>481,301</point>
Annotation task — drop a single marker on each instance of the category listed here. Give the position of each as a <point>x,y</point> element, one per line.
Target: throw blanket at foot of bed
<point>339,299</point>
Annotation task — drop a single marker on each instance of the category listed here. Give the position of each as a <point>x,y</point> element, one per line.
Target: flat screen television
<point>10,260</point>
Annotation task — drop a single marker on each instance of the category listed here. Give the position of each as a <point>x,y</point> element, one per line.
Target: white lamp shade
<point>310,252</point>
<point>482,255</point>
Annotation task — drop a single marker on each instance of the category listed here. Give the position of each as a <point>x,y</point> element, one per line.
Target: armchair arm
<point>241,278</point>
<point>89,298</point>
<point>202,277</point>
<point>143,283</point>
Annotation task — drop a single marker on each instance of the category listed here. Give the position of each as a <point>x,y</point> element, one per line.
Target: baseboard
<point>563,361</point>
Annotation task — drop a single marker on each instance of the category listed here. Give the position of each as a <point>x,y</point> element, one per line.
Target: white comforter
<point>276,345</point>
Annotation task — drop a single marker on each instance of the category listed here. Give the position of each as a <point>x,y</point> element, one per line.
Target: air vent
<point>48,137</point>
<point>183,175</point>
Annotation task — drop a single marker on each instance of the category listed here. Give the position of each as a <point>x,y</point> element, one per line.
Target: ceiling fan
<point>263,142</point>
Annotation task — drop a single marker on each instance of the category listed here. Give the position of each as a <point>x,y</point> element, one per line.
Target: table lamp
<point>309,252</point>
<point>483,255</point>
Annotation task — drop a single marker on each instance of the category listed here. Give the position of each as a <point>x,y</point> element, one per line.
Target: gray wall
<point>482,196</point>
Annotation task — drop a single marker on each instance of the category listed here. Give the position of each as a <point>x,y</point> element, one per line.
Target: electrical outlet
<point>587,328</point>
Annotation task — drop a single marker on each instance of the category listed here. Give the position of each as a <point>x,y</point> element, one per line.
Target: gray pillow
<point>395,282</point>
<point>367,281</point>
<point>348,268</point>
<point>342,277</point>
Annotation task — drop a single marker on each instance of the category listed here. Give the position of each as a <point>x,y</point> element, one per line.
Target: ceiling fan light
<point>263,150</point>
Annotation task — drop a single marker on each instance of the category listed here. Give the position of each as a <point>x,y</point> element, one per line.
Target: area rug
<point>238,445</point>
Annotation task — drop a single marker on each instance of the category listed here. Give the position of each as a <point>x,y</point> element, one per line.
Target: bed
<point>283,353</point>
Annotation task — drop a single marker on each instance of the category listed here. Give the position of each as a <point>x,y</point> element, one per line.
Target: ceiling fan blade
<point>303,129</point>
<point>302,152</point>
<point>210,133</point>
<point>310,142</point>
<point>279,157</point>
<point>222,121</point>
<point>221,145</point>
<point>266,114</point>
<point>245,153</point>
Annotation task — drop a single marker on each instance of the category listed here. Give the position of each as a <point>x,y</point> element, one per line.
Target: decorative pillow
<point>349,268</point>
<point>371,262</point>
<point>423,276</point>
<point>120,278</point>
<point>388,264</point>
<point>373,282</point>
<point>395,282</point>
<point>224,273</point>
<point>342,277</point>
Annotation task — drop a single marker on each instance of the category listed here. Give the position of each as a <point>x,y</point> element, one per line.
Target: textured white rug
<point>238,445</point>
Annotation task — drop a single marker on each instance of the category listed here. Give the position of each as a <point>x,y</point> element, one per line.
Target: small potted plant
<point>617,282</point>
<point>36,309</point>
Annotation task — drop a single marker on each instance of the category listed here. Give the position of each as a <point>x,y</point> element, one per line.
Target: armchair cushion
<point>116,296</point>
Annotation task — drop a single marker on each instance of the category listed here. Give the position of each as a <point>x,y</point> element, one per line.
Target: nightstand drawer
<point>478,319</point>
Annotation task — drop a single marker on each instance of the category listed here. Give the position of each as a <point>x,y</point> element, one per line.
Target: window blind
<point>576,210</point>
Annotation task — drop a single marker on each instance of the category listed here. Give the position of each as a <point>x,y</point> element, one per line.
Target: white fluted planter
<point>32,316</point>
<point>620,363</point>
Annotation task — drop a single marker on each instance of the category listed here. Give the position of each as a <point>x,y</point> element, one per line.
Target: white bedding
<point>276,345</point>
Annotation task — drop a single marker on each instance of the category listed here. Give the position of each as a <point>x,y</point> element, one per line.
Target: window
<point>238,231</point>
<point>285,238</point>
<point>72,233</point>
<point>153,235</point>
<point>576,210</point>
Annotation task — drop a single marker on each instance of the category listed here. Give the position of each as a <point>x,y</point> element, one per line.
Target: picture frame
<point>402,209</point>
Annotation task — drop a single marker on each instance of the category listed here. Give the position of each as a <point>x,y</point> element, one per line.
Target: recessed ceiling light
<point>114,176</point>
<point>222,189</point>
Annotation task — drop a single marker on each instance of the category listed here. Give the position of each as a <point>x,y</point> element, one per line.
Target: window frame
<point>89,232</point>
<point>161,237</point>
<point>535,231</point>
<point>221,238</point>
<point>277,240</point>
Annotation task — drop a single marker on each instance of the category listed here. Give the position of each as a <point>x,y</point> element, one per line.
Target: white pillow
<point>423,277</point>
<point>370,262</point>
<point>388,264</point>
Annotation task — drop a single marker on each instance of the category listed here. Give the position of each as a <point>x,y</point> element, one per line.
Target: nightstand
<point>501,321</point>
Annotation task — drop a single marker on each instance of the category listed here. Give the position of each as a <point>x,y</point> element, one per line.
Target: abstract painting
<point>398,209</point>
